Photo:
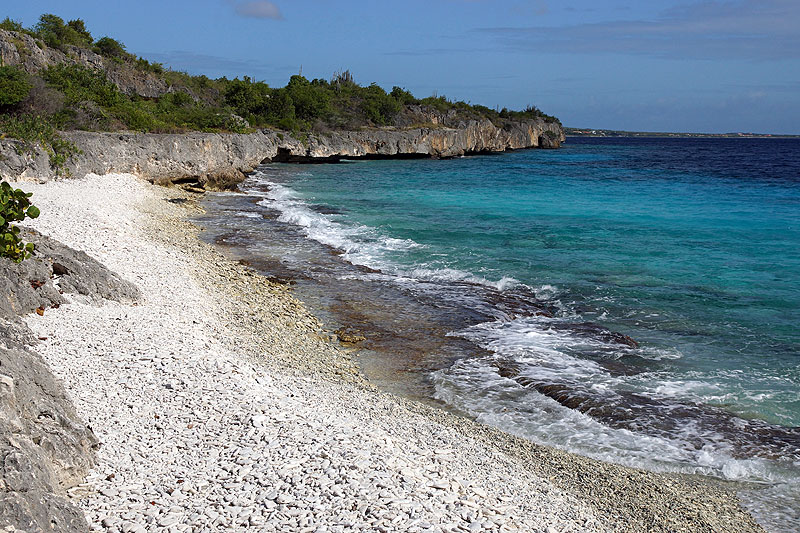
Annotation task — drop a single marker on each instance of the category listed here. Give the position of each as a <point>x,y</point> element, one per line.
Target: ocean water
<point>632,300</point>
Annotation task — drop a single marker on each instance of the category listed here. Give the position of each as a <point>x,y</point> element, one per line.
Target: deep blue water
<point>634,300</point>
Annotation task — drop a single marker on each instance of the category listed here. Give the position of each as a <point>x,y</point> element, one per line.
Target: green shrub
<point>145,65</point>
<point>79,83</point>
<point>439,103</point>
<point>79,28</point>
<point>137,116</point>
<point>311,101</point>
<point>35,130</point>
<point>239,95</point>
<point>55,33</point>
<point>108,47</point>
<point>379,107</point>
<point>15,206</point>
<point>403,96</point>
<point>11,25</point>
<point>14,86</point>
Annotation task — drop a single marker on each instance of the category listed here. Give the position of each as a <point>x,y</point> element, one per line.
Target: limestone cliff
<point>218,161</point>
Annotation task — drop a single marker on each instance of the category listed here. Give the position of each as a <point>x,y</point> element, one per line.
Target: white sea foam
<point>534,349</point>
<point>546,292</point>
<point>455,275</point>
<point>365,246</point>
<point>248,214</point>
<point>475,386</point>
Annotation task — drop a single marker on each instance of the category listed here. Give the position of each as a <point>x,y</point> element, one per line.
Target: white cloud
<point>747,29</point>
<point>259,9</point>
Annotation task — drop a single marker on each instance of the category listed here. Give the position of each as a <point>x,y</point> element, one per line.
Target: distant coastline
<point>596,132</point>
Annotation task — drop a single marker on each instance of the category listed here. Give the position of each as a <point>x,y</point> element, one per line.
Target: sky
<point>660,65</point>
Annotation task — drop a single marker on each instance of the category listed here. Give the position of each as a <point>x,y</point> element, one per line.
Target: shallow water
<point>634,300</point>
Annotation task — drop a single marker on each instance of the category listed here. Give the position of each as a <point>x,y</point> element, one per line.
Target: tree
<point>280,109</point>
<point>379,107</point>
<point>52,30</point>
<point>240,95</point>
<point>79,27</point>
<point>403,96</point>
<point>49,29</point>
<point>310,101</point>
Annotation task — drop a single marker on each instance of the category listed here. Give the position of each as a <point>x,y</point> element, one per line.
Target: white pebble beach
<point>221,404</point>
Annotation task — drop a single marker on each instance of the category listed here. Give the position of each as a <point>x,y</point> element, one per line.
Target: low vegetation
<point>14,86</point>
<point>35,130</point>
<point>15,206</point>
<point>72,96</point>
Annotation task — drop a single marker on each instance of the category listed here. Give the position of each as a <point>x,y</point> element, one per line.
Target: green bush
<point>14,86</point>
<point>11,25</point>
<point>311,100</point>
<point>379,107</point>
<point>79,28</point>
<point>55,33</point>
<point>35,130</point>
<point>79,84</point>
<point>439,103</point>
<point>403,96</point>
<point>145,65</point>
<point>15,206</point>
<point>108,47</point>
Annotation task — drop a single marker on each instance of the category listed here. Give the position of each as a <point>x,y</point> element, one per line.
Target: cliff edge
<point>220,160</point>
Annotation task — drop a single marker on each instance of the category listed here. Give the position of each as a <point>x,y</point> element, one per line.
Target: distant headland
<point>597,132</point>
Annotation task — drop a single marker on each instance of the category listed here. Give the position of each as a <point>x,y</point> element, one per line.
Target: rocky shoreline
<point>221,403</point>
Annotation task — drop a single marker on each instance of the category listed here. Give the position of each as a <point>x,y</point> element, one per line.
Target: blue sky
<point>661,65</point>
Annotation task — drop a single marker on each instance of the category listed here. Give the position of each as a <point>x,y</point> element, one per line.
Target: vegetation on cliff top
<point>73,96</point>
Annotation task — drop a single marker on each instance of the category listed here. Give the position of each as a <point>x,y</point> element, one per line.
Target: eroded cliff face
<point>220,161</point>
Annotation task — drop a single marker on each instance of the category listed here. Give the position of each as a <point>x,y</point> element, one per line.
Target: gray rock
<point>220,161</point>
<point>79,273</point>
<point>29,285</point>
<point>45,448</point>
<point>40,511</point>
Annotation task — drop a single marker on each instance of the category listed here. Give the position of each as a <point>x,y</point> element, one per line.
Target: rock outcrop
<point>220,161</point>
<point>22,50</point>
<point>45,448</point>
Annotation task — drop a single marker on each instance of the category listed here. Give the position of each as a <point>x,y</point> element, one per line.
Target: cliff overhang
<point>212,161</point>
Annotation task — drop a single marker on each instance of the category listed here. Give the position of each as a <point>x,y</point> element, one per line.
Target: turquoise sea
<point>635,300</point>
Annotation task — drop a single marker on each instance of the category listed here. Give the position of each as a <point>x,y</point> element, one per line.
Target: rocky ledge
<point>220,161</point>
<point>45,448</point>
